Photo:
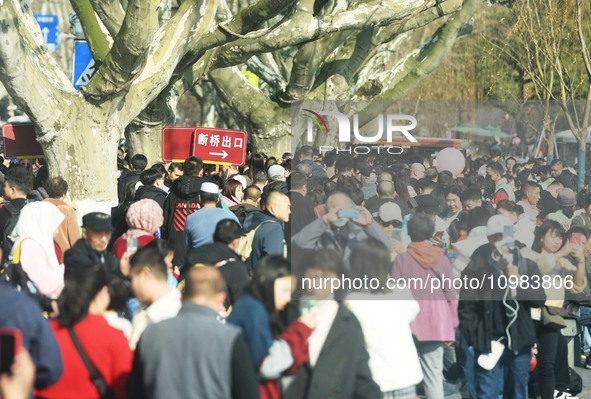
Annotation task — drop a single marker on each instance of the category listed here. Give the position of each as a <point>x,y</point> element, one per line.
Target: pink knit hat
<point>144,215</point>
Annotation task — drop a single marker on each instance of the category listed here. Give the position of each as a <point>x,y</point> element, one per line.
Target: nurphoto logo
<point>345,127</point>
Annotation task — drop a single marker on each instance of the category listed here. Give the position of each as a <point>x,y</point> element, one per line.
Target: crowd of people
<point>252,281</point>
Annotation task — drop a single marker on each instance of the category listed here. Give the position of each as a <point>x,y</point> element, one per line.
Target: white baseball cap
<point>390,211</point>
<point>276,172</point>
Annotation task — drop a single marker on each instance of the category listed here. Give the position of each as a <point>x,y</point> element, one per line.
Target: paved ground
<point>586,375</point>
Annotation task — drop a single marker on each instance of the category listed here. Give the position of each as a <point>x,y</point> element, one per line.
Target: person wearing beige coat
<point>69,231</point>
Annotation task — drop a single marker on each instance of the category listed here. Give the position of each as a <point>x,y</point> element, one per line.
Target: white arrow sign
<point>45,32</point>
<point>222,154</point>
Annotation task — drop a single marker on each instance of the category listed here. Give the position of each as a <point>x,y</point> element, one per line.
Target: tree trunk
<point>144,133</point>
<point>550,141</point>
<point>581,163</point>
<point>274,139</point>
<point>88,162</point>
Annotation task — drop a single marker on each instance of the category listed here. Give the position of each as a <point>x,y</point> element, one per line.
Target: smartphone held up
<point>11,342</point>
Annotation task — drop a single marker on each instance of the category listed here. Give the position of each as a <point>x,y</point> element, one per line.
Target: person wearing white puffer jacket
<point>385,318</point>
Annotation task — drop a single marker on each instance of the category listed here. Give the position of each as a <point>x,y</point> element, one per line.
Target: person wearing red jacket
<point>83,301</point>
<point>276,350</point>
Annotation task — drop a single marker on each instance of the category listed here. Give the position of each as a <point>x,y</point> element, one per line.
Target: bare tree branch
<point>241,23</point>
<point>270,76</point>
<point>98,37</point>
<point>168,46</point>
<point>111,13</point>
<point>22,55</point>
<point>239,93</point>
<point>389,32</point>
<point>419,65</point>
<point>310,56</point>
<point>139,25</point>
<point>302,28</point>
<point>587,61</point>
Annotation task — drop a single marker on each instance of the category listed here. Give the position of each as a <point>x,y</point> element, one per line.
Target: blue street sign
<point>84,66</point>
<point>49,28</point>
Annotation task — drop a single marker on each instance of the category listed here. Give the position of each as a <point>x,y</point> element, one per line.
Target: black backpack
<point>7,243</point>
<point>576,382</point>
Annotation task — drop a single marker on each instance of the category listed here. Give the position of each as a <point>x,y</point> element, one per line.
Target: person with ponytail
<point>82,303</point>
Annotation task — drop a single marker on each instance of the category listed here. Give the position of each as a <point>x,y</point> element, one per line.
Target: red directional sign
<point>220,145</point>
<point>20,141</point>
<point>213,145</point>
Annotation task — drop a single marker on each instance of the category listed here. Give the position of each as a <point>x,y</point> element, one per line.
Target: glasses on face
<point>394,223</point>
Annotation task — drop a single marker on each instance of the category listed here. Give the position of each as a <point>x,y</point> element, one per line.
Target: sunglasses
<point>394,223</point>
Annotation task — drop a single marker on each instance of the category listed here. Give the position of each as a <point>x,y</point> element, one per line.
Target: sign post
<point>213,146</point>
<point>49,28</point>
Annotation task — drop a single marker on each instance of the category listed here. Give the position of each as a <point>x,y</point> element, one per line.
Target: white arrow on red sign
<point>222,154</point>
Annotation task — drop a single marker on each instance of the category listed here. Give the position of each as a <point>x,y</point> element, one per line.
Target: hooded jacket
<point>182,200</point>
<point>151,192</point>
<point>438,316</point>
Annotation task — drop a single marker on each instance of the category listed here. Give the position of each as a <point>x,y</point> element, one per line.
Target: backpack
<point>13,272</point>
<point>244,248</point>
<point>7,243</point>
<point>576,382</point>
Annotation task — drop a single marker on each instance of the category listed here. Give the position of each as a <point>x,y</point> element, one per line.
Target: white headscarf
<point>39,221</point>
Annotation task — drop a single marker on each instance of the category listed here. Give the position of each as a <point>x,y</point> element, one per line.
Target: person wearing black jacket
<point>138,164</point>
<point>91,249</point>
<point>548,199</point>
<point>277,182</point>
<point>175,170</point>
<point>152,182</point>
<point>341,370</point>
<point>182,200</point>
<point>250,203</point>
<point>221,255</point>
<point>16,186</point>
<point>303,208</point>
<point>561,173</point>
<point>497,314</point>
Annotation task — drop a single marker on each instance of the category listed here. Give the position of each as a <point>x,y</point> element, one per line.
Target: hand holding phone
<point>11,342</point>
<point>350,213</point>
<point>131,247</point>
<point>18,383</point>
